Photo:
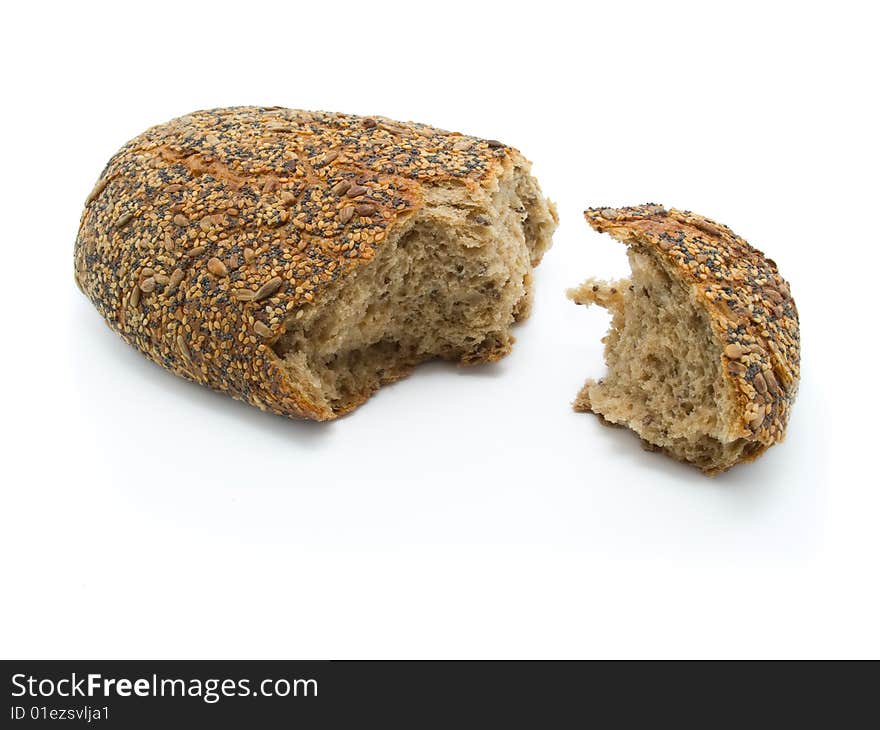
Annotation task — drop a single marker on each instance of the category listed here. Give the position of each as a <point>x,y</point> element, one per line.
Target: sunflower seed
<point>97,190</point>
<point>243,295</point>
<point>734,351</point>
<point>262,330</point>
<point>184,350</point>
<point>345,215</point>
<point>217,267</point>
<point>341,187</point>
<point>268,289</point>
<point>124,220</point>
<point>759,383</point>
<point>181,220</point>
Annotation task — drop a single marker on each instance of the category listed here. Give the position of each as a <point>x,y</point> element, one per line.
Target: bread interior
<point>665,378</point>
<point>450,285</point>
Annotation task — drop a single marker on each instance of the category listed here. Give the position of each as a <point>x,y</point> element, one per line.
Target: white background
<point>460,513</point>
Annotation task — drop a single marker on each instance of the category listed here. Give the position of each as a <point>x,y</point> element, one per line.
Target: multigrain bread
<point>703,352</point>
<point>299,260</point>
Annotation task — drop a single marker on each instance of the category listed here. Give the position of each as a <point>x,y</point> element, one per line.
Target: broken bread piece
<point>703,351</point>
<point>299,260</point>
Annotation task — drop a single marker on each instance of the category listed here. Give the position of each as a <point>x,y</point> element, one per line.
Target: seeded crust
<point>754,337</point>
<point>206,237</point>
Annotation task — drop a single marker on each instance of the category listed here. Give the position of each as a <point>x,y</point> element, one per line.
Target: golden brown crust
<point>204,235</point>
<point>750,306</point>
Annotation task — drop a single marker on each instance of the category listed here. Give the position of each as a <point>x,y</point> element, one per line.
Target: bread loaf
<point>299,260</point>
<point>703,353</point>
